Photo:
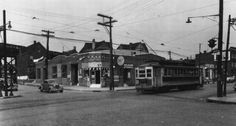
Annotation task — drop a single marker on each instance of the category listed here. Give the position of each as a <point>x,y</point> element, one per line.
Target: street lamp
<point>205,16</point>
<point>220,36</point>
<point>8,26</point>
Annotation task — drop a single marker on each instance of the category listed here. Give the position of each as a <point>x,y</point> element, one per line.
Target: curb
<point>84,90</point>
<point>7,97</point>
<point>97,90</point>
<point>213,100</point>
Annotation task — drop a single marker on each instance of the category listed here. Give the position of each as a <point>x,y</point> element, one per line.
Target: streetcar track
<point>46,103</point>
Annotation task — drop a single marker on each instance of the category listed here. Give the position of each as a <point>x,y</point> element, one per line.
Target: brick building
<point>26,57</point>
<point>208,64</point>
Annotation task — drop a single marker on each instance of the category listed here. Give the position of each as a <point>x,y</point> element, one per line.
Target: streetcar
<point>166,75</point>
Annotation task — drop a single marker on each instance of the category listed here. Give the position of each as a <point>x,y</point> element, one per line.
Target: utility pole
<point>5,52</point>
<point>199,64</point>
<point>219,57</point>
<point>109,24</point>
<point>231,21</point>
<point>226,56</point>
<point>47,52</point>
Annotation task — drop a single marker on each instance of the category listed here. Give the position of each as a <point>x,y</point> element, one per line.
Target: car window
<point>51,81</point>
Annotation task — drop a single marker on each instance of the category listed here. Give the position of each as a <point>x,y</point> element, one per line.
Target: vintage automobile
<point>230,79</point>
<point>50,85</point>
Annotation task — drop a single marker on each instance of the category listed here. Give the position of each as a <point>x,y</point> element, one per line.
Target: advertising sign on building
<point>128,65</point>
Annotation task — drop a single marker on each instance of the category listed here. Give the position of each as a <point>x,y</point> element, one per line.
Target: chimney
<point>35,42</point>
<point>74,48</point>
<point>93,44</point>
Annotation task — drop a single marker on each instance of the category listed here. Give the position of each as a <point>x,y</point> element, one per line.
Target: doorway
<point>97,77</point>
<point>74,74</point>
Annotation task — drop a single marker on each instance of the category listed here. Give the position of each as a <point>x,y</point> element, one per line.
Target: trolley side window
<point>141,72</point>
<point>149,72</point>
<point>136,72</point>
<point>180,72</point>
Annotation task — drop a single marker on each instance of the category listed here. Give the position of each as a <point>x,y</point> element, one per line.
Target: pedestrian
<point>87,80</point>
<point>106,79</point>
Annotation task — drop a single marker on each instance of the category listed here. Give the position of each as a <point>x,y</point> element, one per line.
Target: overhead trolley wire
<point>166,15</point>
<point>55,37</point>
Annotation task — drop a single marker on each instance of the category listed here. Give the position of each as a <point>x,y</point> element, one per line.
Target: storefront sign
<point>128,65</point>
<point>91,65</point>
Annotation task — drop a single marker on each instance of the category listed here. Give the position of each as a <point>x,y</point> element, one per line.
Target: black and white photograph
<point>117,62</point>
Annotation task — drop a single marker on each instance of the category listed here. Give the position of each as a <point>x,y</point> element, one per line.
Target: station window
<point>136,73</point>
<point>54,72</point>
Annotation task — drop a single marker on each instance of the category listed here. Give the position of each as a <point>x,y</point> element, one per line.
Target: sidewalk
<point>88,89</point>
<point>229,99</point>
<point>79,88</point>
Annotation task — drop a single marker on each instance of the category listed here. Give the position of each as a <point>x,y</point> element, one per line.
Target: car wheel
<point>61,91</point>
<point>49,90</point>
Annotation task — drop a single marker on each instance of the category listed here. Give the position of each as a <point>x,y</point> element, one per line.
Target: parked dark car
<point>50,85</point>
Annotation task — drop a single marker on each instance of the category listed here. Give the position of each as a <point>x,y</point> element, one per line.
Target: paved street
<point>127,108</point>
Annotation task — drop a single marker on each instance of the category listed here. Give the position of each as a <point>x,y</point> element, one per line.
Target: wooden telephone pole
<point>109,24</point>
<point>47,52</point>
<point>219,57</point>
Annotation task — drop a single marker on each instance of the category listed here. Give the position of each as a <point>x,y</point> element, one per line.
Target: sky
<point>161,24</point>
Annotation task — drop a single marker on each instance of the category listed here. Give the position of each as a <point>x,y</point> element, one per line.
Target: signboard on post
<point>120,60</point>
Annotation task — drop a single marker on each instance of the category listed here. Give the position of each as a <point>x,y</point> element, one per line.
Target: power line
<point>166,15</point>
<point>55,37</point>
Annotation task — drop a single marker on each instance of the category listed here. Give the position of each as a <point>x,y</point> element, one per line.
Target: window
<point>54,72</point>
<point>64,71</point>
<point>142,72</point>
<point>149,72</point>
<point>165,71</point>
<point>136,73</point>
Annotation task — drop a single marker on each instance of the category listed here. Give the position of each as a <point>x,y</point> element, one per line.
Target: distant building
<point>232,61</point>
<point>208,63</point>
<point>26,57</point>
<point>69,52</point>
<point>95,46</point>
<point>134,46</point>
